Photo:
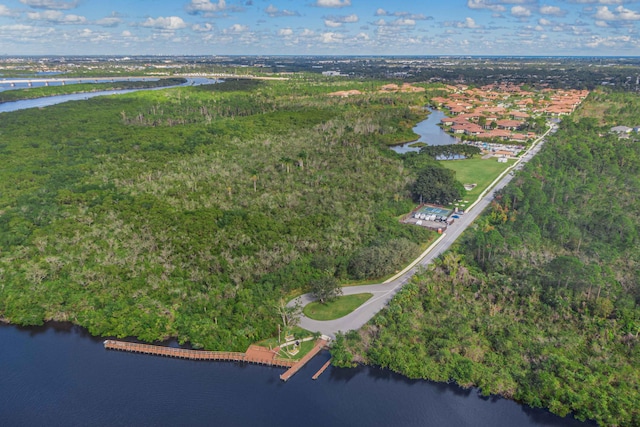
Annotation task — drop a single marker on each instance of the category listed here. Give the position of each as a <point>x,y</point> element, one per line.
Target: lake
<point>60,375</point>
<point>430,133</point>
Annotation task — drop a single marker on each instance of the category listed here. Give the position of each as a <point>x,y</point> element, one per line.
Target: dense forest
<point>193,212</point>
<point>540,300</point>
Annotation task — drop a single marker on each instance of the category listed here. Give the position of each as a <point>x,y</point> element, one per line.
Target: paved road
<point>382,293</point>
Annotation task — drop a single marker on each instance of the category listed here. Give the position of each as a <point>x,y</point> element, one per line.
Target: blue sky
<point>300,27</point>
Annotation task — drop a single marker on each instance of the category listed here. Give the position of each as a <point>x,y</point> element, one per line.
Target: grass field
<point>479,171</point>
<point>337,308</point>
<point>299,334</point>
<point>304,348</point>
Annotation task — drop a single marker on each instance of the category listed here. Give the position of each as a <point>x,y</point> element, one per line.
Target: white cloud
<point>552,10</point>
<point>236,29</point>
<point>620,14</point>
<point>205,28</point>
<point>165,23</point>
<point>126,33</point>
<point>406,15</point>
<point>337,21</point>
<point>403,22</point>
<point>55,16</point>
<point>400,22</point>
<point>332,24</point>
<point>51,4</point>
<point>520,12</point>
<point>307,33</point>
<point>285,32</point>
<point>333,3</point>
<point>544,22</point>
<point>197,6</point>
<point>329,38</point>
<point>26,30</point>
<point>350,18</point>
<point>467,23</point>
<point>485,4</point>
<point>5,11</point>
<point>274,12</point>
<point>597,1</point>
<point>605,14</point>
<point>109,21</point>
<point>611,42</point>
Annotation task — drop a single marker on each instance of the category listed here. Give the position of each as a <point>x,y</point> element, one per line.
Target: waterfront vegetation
<point>539,302</point>
<point>45,91</point>
<point>451,151</point>
<point>194,212</point>
<point>337,308</point>
<point>191,212</point>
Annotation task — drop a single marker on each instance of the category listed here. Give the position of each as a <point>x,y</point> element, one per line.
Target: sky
<point>320,27</point>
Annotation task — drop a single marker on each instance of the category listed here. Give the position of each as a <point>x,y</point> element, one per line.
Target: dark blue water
<point>430,133</point>
<point>60,376</point>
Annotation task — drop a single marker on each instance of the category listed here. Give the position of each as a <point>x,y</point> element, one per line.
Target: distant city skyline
<point>320,27</point>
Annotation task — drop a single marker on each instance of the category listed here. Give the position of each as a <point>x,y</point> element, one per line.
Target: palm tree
<point>451,265</point>
<point>286,162</point>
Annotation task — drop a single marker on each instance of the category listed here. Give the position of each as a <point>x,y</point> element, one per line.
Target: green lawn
<point>304,348</point>
<point>298,333</point>
<point>479,171</point>
<point>337,308</point>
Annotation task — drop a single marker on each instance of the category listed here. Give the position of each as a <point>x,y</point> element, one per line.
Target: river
<point>58,99</point>
<point>430,133</point>
<point>53,80</point>
<point>60,375</point>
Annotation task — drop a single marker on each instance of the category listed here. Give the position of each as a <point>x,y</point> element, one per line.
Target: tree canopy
<point>540,301</point>
<point>451,151</point>
<point>436,184</point>
<point>190,212</point>
<point>325,288</point>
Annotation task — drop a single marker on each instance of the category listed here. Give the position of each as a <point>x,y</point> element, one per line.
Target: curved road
<point>382,293</point>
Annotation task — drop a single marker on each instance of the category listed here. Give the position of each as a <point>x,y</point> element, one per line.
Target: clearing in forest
<point>479,171</point>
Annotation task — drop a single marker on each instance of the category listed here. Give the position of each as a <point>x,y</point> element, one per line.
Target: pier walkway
<point>321,370</point>
<point>254,354</point>
<point>320,344</point>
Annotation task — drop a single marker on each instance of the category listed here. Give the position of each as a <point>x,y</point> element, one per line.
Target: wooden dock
<point>321,370</point>
<point>254,354</point>
<point>320,344</point>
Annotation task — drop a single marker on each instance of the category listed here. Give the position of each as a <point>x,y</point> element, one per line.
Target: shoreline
<point>113,89</point>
